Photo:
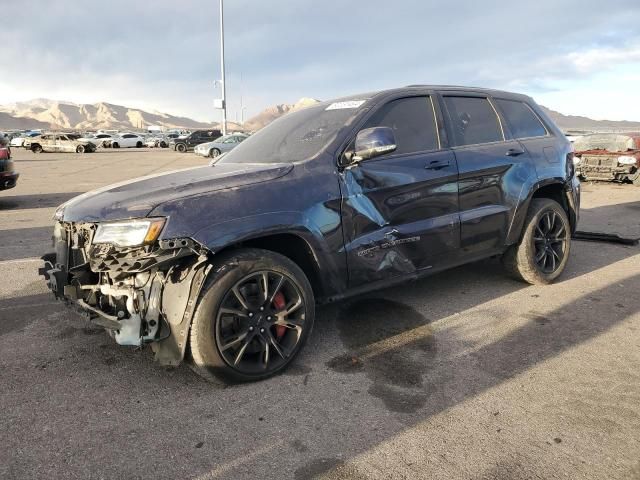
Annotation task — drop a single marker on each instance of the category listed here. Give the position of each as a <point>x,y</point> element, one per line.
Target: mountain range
<point>43,113</point>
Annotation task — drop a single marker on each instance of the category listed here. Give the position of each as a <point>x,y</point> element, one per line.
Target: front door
<point>400,210</point>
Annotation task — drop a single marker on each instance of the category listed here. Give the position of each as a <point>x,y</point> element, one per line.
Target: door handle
<point>514,152</point>
<point>436,164</point>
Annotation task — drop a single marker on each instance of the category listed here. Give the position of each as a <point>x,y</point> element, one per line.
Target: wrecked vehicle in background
<point>329,201</point>
<point>609,156</point>
<point>60,142</point>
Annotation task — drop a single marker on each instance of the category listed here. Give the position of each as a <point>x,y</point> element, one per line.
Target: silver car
<point>220,145</point>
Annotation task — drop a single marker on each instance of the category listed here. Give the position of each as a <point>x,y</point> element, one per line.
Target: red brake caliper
<point>278,304</point>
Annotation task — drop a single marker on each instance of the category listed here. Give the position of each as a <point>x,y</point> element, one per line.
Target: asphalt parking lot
<point>466,374</point>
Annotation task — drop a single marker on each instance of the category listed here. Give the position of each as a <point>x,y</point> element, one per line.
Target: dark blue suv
<point>327,202</point>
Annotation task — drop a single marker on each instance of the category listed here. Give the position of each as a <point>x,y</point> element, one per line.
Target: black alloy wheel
<point>542,253</point>
<point>260,322</point>
<point>550,241</point>
<point>253,316</point>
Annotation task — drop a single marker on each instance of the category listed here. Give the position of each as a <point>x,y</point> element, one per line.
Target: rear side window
<point>521,119</point>
<point>473,120</point>
<point>412,121</point>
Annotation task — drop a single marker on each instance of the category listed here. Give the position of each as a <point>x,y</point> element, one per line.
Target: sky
<point>579,57</point>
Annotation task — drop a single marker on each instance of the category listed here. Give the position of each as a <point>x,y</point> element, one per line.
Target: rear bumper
<point>8,180</point>
<point>573,200</point>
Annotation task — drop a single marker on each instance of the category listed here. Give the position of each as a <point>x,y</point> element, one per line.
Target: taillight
<point>570,166</point>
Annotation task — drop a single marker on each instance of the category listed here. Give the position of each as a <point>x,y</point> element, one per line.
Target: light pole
<point>224,83</point>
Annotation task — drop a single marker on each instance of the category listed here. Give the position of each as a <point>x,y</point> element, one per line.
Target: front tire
<point>543,252</point>
<point>80,149</point>
<point>181,147</point>
<point>139,145</point>
<point>115,145</point>
<point>254,314</point>
<point>36,148</point>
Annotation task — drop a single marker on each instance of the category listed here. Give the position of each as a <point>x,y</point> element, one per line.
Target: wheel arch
<point>553,189</point>
<point>286,233</point>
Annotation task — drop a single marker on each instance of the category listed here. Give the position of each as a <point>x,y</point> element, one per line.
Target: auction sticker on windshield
<point>343,105</point>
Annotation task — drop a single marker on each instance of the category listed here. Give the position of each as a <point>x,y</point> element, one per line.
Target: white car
<point>127,140</point>
<point>220,145</point>
<point>20,139</point>
<point>98,139</point>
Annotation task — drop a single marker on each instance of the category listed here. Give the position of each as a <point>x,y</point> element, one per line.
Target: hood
<point>137,198</point>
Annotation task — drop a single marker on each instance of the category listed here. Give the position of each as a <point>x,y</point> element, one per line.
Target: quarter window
<point>412,121</point>
<point>473,120</point>
<point>523,123</point>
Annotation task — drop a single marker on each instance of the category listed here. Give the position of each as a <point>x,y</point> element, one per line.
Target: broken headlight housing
<point>130,233</point>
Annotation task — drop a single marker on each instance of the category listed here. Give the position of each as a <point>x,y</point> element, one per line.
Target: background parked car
<point>609,156</point>
<point>19,139</point>
<point>220,145</point>
<point>195,138</point>
<point>126,140</point>
<point>98,139</point>
<point>60,142</point>
<point>8,175</point>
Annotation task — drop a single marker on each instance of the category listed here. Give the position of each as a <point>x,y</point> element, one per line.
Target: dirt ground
<point>466,374</point>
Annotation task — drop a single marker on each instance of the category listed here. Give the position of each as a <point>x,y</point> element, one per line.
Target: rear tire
<point>542,254</point>
<point>244,332</point>
<point>214,153</point>
<point>80,149</point>
<point>636,179</point>
<point>139,145</point>
<point>115,145</point>
<point>36,148</point>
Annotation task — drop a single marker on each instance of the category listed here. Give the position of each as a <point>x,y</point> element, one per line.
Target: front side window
<point>521,119</point>
<point>412,121</point>
<point>473,120</point>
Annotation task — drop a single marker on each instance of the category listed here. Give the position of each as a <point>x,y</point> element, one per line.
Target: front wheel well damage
<point>294,248</point>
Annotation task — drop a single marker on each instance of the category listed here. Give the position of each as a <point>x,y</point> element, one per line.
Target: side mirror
<point>373,142</point>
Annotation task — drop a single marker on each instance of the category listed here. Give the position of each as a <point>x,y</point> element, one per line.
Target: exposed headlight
<point>627,160</point>
<point>577,160</point>
<point>131,233</point>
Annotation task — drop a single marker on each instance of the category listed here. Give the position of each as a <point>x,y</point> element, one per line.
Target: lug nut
<point>251,329</point>
<point>250,314</point>
<point>262,330</point>
<point>269,318</point>
<point>261,308</point>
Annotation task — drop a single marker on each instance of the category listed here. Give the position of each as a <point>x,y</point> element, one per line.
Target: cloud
<point>164,54</point>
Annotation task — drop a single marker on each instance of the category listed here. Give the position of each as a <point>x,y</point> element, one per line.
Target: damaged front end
<point>142,294</point>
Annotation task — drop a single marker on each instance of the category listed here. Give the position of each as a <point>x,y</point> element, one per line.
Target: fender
<point>517,223</point>
<point>329,260</point>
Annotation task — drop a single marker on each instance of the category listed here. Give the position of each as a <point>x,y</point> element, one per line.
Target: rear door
<point>493,170</point>
<point>400,210</point>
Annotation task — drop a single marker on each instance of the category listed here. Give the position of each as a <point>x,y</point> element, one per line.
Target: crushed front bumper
<point>142,295</point>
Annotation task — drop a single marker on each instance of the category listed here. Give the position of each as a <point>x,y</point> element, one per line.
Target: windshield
<point>608,142</point>
<point>295,136</point>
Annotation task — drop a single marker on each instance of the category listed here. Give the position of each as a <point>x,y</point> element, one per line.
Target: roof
<point>409,88</point>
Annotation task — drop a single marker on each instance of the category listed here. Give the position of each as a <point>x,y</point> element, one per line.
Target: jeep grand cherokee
<point>330,201</point>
